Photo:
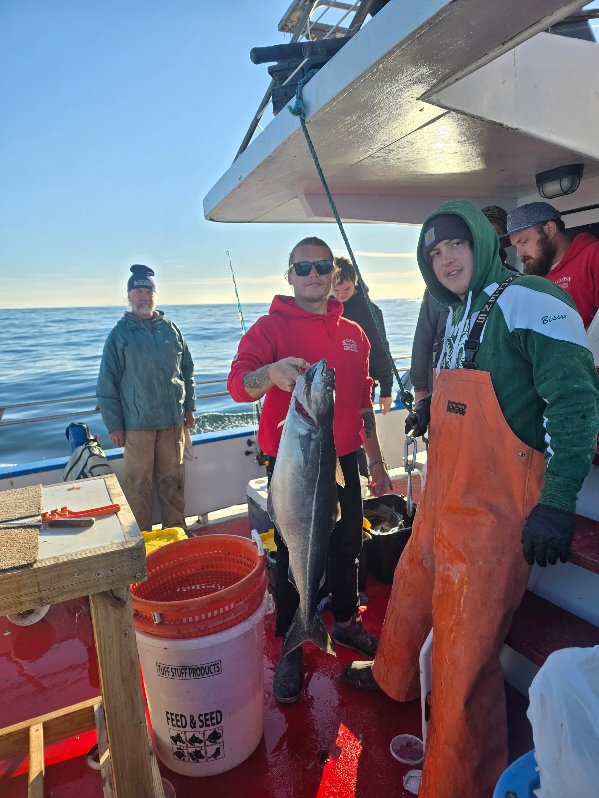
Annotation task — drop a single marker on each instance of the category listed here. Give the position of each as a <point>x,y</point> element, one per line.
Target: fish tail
<point>299,633</point>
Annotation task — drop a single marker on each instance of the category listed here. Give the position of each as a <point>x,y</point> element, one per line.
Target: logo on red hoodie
<point>349,345</point>
<point>563,281</point>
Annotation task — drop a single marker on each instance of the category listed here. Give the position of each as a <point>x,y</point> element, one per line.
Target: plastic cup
<point>29,617</point>
<point>407,749</point>
<point>411,781</point>
<point>169,790</point>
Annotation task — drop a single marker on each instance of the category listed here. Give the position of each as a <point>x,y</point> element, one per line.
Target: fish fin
<point>270,510</point>
<point>299,633</point>
<point>323,579</point>
<point>339,478</point>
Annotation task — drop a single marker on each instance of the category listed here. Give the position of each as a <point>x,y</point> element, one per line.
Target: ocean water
<point>54,354</point>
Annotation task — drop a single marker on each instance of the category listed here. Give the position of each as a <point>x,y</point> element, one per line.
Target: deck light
<point>560,181</point>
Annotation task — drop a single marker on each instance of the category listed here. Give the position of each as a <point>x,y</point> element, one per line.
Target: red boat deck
<point>334,742</point>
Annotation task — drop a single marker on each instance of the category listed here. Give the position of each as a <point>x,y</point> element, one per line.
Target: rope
<point>299,110</point>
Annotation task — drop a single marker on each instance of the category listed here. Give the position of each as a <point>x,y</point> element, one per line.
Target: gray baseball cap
<point>531,214</point>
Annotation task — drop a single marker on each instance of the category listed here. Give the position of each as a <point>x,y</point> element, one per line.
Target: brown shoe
<point>359,675</point>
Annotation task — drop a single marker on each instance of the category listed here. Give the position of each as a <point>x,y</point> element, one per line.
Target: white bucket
<point>206,696</point>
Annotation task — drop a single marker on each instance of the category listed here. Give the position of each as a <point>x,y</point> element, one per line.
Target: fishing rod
<point>239,308</point>
<point>261,458</point>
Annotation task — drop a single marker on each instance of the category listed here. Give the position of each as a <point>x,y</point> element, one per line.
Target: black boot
<point>289,677</point>
<point>359,674</point>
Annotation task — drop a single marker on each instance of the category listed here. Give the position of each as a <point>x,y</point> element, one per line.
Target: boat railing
<point>90,411</point>
<point>202,396</point>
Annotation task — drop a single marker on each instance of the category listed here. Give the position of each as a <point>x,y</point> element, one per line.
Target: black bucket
<point>385,547</point>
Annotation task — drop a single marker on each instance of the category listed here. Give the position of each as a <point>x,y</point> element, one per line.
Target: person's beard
<point>144,309</point>
<point>542,263</point>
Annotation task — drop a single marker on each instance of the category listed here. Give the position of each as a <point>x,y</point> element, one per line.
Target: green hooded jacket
<point>146,375</point>
<point>534,347</point>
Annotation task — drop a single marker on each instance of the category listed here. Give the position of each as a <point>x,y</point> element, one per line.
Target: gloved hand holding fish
<point>302,499</point>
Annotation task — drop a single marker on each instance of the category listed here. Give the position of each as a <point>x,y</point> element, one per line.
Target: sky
<point>117,118</point>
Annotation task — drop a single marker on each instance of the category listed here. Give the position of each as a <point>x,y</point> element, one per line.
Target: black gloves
<point>419,418</point>
<point>547,535</point>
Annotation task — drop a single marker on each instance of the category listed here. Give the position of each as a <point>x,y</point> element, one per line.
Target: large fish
<point>302,499</point>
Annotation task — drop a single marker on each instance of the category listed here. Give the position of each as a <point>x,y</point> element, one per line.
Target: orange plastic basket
<point>199,587</point>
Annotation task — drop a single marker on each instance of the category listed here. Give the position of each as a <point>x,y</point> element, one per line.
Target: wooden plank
<point>156,777</point>
<point>127,520</point>
<point>103,752</point>
<point>112,616</point>
<point>35,784</point>
<point>539,628</point>
<point>73,576</point>
<point>111,554</point>
<point>585,544</point>
<point>58,725</point>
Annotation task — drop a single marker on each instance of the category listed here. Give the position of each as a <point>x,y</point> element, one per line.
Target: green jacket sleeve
<point>571,417</point>
<point>187,370</point>
<point>188,378</point>
<point>108,387</point>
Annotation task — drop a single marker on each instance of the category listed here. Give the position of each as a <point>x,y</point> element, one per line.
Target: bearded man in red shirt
<point>538,233</point>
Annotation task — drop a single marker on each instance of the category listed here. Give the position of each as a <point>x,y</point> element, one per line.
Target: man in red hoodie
<point>298,331</point>
<point>538,233</point>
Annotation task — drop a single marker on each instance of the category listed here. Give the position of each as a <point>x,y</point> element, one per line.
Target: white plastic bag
<point>86,461</point>
<point>564,713</point>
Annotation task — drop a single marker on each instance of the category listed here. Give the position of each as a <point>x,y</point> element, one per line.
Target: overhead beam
<point>538,89</point>
<point>371,208</point>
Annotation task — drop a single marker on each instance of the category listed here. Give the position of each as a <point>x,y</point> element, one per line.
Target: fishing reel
<point>262,459</point>
<point>405,398</point>
<point>259,456</point>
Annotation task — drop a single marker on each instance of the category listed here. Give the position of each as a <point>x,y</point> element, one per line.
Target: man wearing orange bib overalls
<point>512,425</point>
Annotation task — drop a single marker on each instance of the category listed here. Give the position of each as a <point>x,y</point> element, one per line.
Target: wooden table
<point>101,562</point>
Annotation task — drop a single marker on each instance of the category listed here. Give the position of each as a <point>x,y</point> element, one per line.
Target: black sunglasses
<point>304,267</point>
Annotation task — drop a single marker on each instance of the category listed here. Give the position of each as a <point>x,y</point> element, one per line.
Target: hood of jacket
<point>133,320</point>
<point>287,306</point>
<point>356,300</point>
<point>488,267</point>
<point>579,243</point>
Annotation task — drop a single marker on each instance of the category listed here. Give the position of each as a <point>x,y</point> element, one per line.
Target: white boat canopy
<point>429,101</point>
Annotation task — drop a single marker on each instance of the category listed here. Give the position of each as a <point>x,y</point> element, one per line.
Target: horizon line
<point>186,304</point>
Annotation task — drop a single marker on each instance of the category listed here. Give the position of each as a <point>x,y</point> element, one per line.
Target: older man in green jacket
<point>146,396</point>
